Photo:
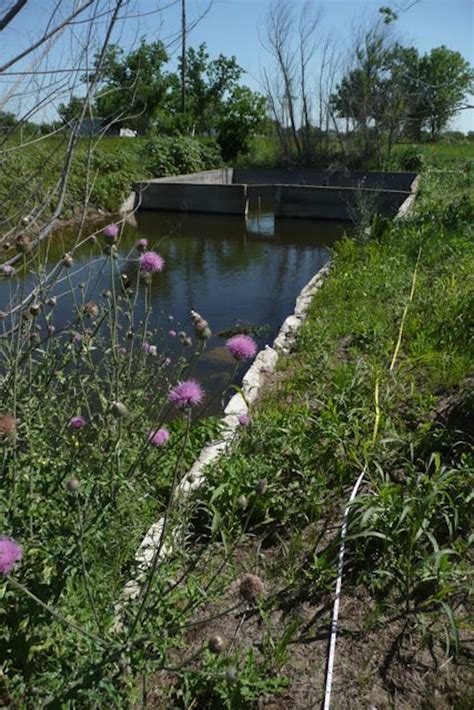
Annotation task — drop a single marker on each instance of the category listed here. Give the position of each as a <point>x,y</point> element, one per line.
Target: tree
<point>71,111</point>
<point>216,102</point>
<point>134,87</point>
<point>243,117</point>
<point>371,95</point>
<point>8,121</point>
<point>208,85</point>
<point>439,82</point>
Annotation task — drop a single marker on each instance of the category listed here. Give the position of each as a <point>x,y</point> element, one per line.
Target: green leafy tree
<point>8,121</point>
<point>71,111</point>
<point>134,87</point>
<point>216,103</point>
<point>208,85</point>
<point>438,84</point>
<point>244,116</point>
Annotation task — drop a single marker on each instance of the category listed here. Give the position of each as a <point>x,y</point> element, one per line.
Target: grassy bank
<point>101,173</point>
<point>381,382</point>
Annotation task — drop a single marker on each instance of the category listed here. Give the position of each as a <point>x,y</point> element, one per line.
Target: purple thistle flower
<point>244,420</point>
<point>77,338</point>
<point>10,554</point>
<point>77,422</point>
<point>185,394</point>
<point>172,333</point>
<point>8,270</point>
<point>242,347</point>
<point>51,329</point>
<point>142,244</point>
<point>168,361</point>
<point>151,262</point>
<point>111,233</point>
<point>158,437</point>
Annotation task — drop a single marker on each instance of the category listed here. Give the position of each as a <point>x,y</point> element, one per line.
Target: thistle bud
<point>35,309</point>
<point>68,261</point>
<point>231,675</point>
<point>51,301</point>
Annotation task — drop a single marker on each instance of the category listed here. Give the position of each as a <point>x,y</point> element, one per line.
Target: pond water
<point>236,273</point>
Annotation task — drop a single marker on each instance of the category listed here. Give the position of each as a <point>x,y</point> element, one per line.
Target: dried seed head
<point>261,486</point>
<point>35,339</point>
<point>91,309</point>
<point>145,276</point>
<point>119,410</point>
<point>35,309</point>
<point>68,261</point>
<point>73,484</point>
<point>52,301</point>
<point>201,326</point>
<point>216,644</point>
<point>23,243</point>
<point>251,587</point>
<point>242,502</point>
<point>7,427</point>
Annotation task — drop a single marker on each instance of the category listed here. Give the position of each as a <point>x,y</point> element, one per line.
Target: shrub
<point>174,155</point>
<point>411,159</point>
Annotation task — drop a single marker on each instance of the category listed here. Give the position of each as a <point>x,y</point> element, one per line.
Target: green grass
<point>315,431</point>
<point>101,176</point>
<point>340,404</point>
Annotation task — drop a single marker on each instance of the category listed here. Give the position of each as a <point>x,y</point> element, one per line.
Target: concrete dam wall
<point>303,193</point>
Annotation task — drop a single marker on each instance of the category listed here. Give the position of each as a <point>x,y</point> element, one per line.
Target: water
<point>231,270</point>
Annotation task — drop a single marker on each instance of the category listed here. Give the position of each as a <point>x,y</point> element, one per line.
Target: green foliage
<point>136,91</point>
<point>71,111</point>
<point>166,155</point>
<point>134,87</point>
<point>311,436</point>
<point>438,84</point>
<point>234,683</point>
<point>410,159</point>
<point>102,173</point>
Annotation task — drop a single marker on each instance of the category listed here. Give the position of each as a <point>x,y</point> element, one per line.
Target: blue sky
<point>235,27</point>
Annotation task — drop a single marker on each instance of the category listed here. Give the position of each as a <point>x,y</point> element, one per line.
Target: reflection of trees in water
<point>210,258</point>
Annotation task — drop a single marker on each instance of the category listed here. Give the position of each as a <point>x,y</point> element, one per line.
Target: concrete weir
<point>304,193</point>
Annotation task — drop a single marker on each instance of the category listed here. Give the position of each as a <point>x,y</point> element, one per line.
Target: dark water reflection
<point>228,269</point>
